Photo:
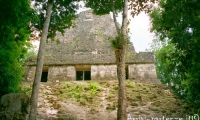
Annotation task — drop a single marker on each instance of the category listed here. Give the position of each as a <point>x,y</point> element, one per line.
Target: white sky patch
<point>140,31</point>
<point>35,44</point>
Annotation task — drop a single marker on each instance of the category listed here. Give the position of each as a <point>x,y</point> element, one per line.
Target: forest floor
<point>97,100</point>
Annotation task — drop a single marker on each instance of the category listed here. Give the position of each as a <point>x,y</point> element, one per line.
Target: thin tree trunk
<point>120,59</point>
<point>39,67</point>
<point>124,19</point>
<point>114,18</point>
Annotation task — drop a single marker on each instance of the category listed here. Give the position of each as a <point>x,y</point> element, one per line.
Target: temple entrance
<point>83,72</point>
<point>127,72</point>
<point>44,77</point>
<point>83,75</point>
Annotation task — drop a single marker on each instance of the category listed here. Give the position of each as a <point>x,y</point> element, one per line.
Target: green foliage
<point>94,87</point>
<point>26,54</point>
<point>117,42</point>
<point>14,26</point>
<point>57,42</point>
<point>130,84</point>
<point>81,93</point>
<point>166,71</point>
<point>104,6</point>
<point>62,16</point>
<point>178,21</point>
<point>26,88</point>
<point>162,99</point>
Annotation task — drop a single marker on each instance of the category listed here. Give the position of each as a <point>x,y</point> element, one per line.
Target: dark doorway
<point>83,72</point>
<point>87,75</point>
<point>44,76</point>
<point>126,70</point>
<point>83,75</point>
<point>79,75</point>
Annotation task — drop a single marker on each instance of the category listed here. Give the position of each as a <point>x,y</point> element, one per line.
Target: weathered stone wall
<point>95,57</point>
<point>61,73</point>
<point>88,43</point>
<point>104,72</point>
<point>29,74</point>
<point>143,57</point>
<point>143,73</point>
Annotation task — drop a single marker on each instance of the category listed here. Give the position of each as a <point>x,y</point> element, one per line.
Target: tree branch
<point>125,18</point>
<point>114,17</point>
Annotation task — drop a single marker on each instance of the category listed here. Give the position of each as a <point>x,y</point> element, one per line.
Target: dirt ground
<point>80,100</point>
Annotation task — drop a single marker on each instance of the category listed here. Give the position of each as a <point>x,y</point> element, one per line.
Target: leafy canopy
<point>62,16</point>
<point>104,6</point>
<point>178,21</point>
<point>14,26</point>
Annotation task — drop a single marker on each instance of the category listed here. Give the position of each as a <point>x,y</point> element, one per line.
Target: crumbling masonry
<point>85,53</point>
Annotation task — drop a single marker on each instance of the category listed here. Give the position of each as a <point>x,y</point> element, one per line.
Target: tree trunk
<point>39,67</point>
<point>114,18</point>
<point>120,60</point>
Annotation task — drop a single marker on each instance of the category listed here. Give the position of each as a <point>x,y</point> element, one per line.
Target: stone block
<point>104,72</point>
<point>142,72</point>
<point>14,106</point>
<point>61,73</point>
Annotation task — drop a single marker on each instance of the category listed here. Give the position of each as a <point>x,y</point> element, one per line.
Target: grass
<point>130,84</point>
<point>82,93</point>
<point>26,88</point>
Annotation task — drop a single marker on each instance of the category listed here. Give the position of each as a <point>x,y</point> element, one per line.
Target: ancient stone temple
<point>85,53</point>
